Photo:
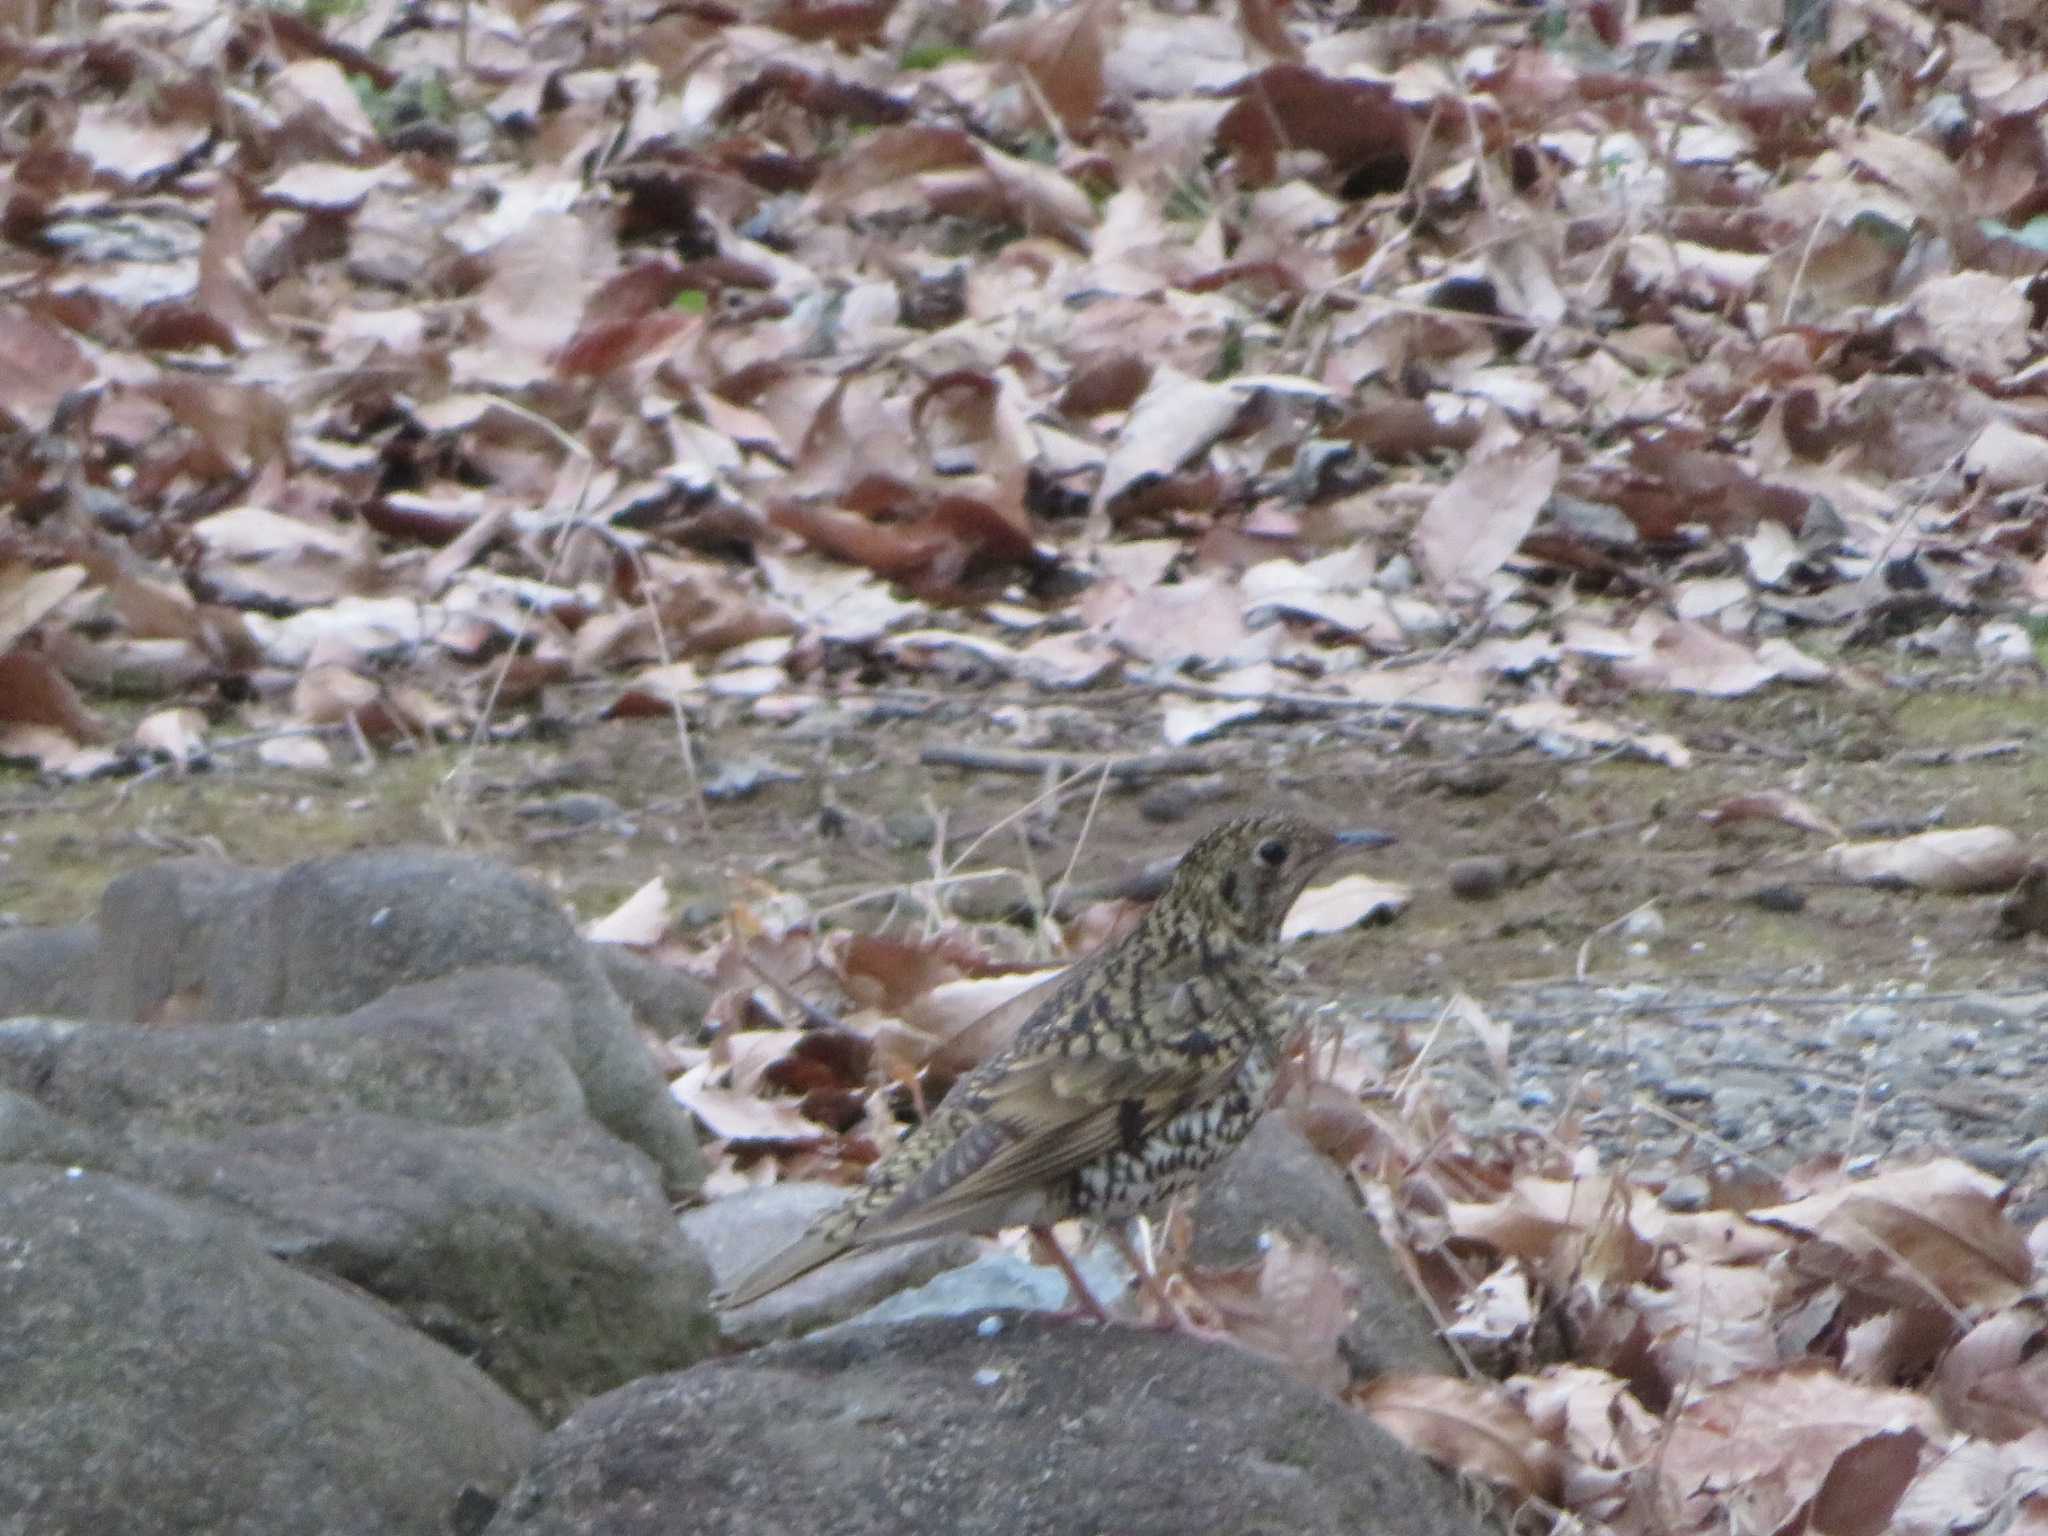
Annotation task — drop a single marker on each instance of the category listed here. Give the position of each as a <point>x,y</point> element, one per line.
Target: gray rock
<point>1687,1192</point>
<point>47,970</point>
<point>29,1133</point>
<point>1478,879</point>
<point>741,1230</point>
<point>334,934</point>
<point>171,934</point>
<point>467,1050</point>
<point>1000,1280</point>
<point>666,1002</point>
<point>1278,1182</point>
<point>1012,1426</point>
<point>542,1250</point>
<point>159,1372</point>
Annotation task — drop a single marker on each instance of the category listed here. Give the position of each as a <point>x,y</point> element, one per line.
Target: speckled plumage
<point>1137,1072</point>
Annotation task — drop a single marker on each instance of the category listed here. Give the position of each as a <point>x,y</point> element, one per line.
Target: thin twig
<point>1144,765</point>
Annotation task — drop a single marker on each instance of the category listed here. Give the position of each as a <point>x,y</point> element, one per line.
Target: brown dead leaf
<point>35,693</point>
<point>1862,1489</point>
<point>973,1018</point>
<point>1062,52</point>
<point>1293,1306</point>
<point>40,364</point>
<point>1350,122</point>
<point>1474,1429</point>
<point>1770,805</point>
<point>1769,1440</point>
<point>1993,1382</point>
<point>1568,732</point>
<point>1908,1234</point>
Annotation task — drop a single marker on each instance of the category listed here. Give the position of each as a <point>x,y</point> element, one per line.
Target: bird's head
<point>1243,876</point>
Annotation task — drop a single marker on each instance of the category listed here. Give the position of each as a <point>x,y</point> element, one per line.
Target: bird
<point>1134,1075</point>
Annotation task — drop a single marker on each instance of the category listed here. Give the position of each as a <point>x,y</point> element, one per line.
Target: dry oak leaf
<point>1908,1234</point>
<point>1473,1428</point>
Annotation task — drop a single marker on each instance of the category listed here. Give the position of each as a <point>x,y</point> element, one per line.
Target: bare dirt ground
<point>849,815</point>
<point>1587,841</point>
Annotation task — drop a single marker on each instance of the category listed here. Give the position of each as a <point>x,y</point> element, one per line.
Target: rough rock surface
<point>192,938</point>
<point>1010,1425</point>
<point>542,1250</point>
<point>739,1231</point>
<point>160,1372</point>
<point>427,1143</point>
<point>466,1050</point>
<point>47,970</point>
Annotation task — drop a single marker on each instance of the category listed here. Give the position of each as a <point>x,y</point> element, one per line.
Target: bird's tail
<point>807,1253</point>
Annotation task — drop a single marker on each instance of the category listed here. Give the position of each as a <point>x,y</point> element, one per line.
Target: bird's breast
<point>1173,1155</point>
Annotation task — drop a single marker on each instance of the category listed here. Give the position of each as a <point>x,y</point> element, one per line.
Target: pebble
<point>1687,1192</point>
<point>1478,879</point>
<point>1779,898</point>
<point>579,809</point>
<point>1177,799</point>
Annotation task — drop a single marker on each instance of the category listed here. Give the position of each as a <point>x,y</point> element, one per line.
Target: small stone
<point>1994,1010</point>
<point>1177,799</point>
<point>1536,1097</point>
<point>1863,1026</point>
<point>2032,1120</point>
<point>580,809</point>
<point>1471,780</point>
<point>1689,1090</point>
<point>1687,1192</point>
<point>1479,879</point>
<point>910,829</point>
<point>745,777</point>
<point>1778,898</point>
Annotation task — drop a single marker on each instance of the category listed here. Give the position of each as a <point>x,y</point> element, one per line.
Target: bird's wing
<point>1028,1118</point>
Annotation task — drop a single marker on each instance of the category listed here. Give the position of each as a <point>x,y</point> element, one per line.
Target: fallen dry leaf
<point>1473,1428</point>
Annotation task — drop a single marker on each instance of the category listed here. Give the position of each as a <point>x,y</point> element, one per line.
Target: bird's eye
<point>1272,851</point>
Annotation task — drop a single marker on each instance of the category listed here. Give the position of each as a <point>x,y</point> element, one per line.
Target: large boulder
<point>193,938</point>
<point>543,1250</point>
<point>1010,1425</point>
<point>430,1148</point>
<point>464,1050</point>
<point>160,1372</point>
<point>47,970</point>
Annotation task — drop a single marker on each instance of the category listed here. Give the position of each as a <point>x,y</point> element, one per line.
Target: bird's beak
<point>1365,837</point>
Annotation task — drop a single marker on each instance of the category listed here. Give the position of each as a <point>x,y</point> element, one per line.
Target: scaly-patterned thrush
<point>1142,1068</point>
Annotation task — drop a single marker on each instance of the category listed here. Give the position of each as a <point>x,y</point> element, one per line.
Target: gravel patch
<point>1678,1079</point>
